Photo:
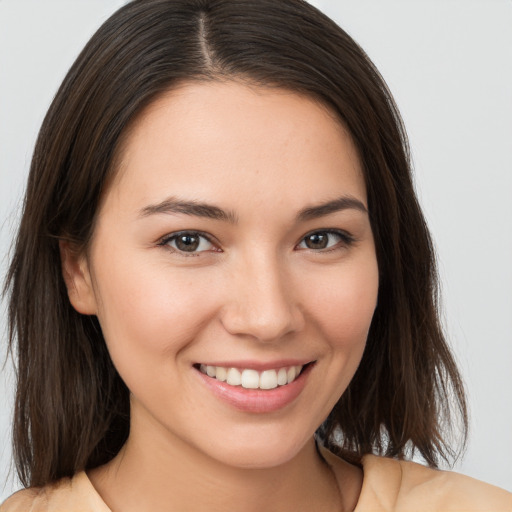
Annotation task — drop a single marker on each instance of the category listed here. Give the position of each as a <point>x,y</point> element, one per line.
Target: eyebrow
<point>174,205</point>
<point>336,205</point>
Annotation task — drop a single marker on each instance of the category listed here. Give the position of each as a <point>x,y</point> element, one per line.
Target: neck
<point>165,473</point>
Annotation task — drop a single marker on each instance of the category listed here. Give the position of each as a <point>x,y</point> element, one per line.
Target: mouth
<point>250,378</point>
<point>266,390</point>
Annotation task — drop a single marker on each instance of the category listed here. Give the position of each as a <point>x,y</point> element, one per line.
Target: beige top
<point>388,485</point>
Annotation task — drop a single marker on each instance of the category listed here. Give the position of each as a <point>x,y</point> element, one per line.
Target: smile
<point>253,379</point>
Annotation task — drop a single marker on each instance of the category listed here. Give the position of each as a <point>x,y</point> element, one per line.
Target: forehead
<point>227,139</point>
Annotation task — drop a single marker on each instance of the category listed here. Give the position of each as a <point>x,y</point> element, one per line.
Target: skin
<point>255,292</point>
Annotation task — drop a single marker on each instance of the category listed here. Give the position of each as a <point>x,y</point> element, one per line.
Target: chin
<point>250,454</point>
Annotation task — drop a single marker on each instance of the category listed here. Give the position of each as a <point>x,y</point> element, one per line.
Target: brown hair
<point>72,408</point>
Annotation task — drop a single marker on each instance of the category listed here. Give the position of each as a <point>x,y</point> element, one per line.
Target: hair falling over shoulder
<point>72,408</point>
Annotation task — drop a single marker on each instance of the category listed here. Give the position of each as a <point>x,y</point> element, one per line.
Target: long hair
<point>72,408</point>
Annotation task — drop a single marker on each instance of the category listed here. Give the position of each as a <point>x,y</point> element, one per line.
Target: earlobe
<point>76,274</point>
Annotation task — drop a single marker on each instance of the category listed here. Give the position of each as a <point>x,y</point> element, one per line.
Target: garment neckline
<point>82,479</point>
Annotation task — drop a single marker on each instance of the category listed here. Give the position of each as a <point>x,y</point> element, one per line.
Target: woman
<point>223,289</point>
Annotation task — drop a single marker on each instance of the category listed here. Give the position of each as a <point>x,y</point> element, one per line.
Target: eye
<point>321,240</point>
<point>187,242</point>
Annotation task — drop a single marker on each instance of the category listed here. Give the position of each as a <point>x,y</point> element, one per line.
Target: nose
<point>261,301</point>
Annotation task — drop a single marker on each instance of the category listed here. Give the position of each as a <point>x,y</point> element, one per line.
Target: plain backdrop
<point>449,66</point>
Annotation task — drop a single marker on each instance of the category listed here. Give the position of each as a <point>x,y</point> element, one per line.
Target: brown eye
<point>317,241</point>
<point>188,242</point>
<point>320,240</point>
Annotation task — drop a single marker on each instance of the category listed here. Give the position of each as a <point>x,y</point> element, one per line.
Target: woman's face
<point>234,241</point>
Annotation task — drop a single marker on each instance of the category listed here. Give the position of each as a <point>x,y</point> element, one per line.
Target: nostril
<point>261,325</point>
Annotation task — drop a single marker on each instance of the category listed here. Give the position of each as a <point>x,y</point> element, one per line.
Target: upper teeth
<point>252,379</point>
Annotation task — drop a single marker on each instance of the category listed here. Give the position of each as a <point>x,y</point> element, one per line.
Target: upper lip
<point>258,365</point>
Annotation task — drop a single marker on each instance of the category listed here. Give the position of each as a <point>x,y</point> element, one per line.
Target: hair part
<point>71,407</point>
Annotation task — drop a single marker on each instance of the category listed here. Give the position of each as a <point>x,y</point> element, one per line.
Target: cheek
<point>148,315</point>
<point>344,304</point>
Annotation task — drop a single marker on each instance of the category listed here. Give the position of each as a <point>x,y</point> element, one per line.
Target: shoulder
<point>404,486</point>
<point>67,494</point>
<point>23,500</point>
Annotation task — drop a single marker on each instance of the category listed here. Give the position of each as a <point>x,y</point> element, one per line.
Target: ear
<point>77,277</point>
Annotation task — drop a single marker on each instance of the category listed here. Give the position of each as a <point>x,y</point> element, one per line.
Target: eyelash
<point>166,240</point>
<point>346,240</point>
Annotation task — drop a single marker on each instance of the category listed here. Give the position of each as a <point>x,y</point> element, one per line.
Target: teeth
<point>282,377</point>
<point>268,379</point>
<point>252,379</point>
<point>291,374</point>
<point>221,374</point>
<point>234,377</point>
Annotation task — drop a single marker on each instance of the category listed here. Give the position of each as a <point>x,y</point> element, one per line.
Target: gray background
<point>449,65</point>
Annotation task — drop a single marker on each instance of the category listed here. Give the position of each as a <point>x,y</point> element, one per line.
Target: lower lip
<point>257,400</point>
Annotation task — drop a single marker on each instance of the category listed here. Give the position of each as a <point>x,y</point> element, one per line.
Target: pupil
<point>187,243</point>
<point>317,241</point>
